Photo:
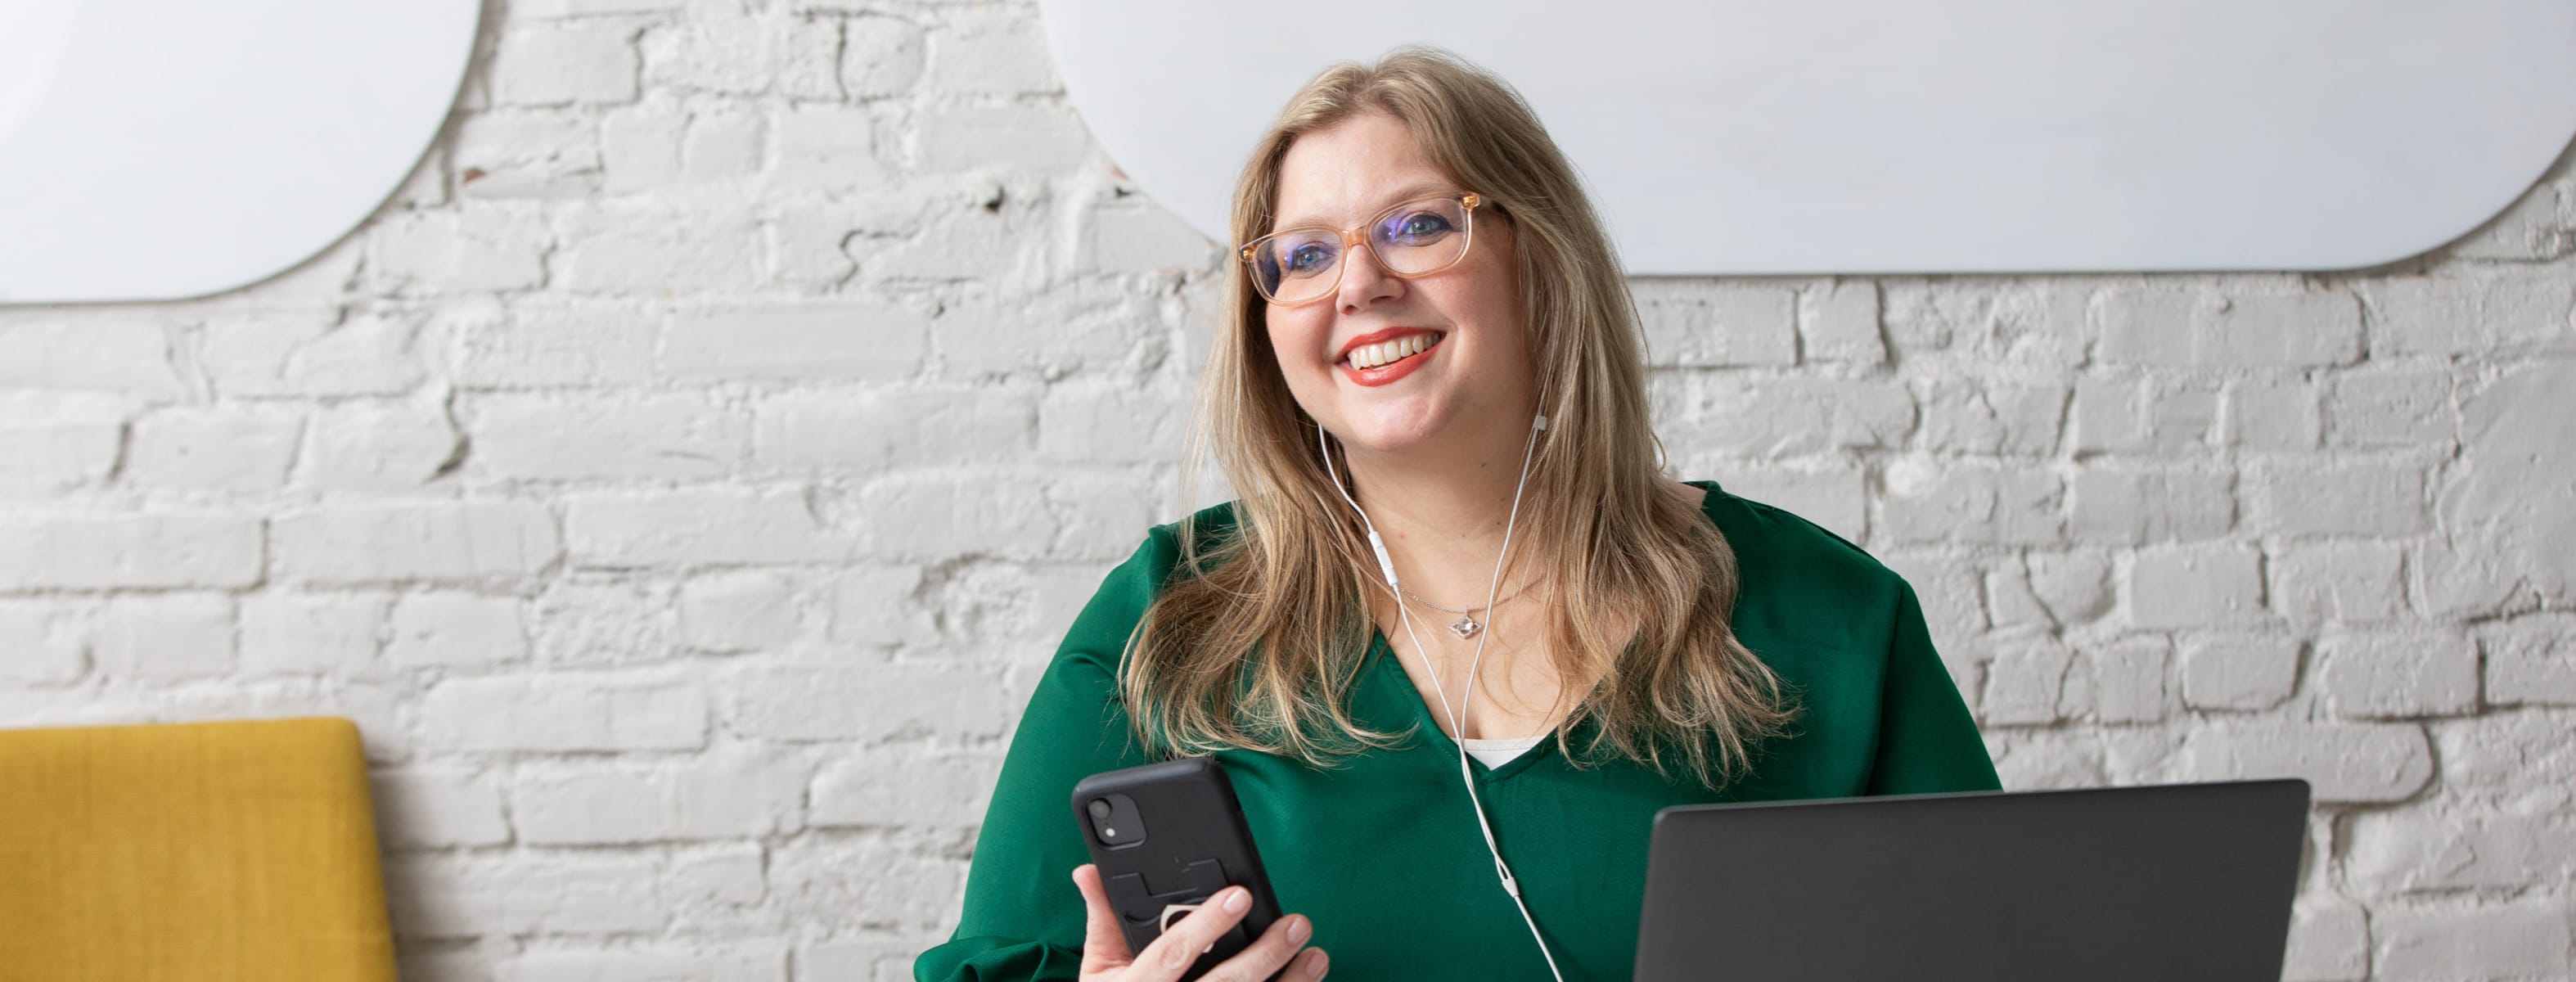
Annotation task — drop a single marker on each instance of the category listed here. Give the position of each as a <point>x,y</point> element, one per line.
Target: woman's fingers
<point>1104,944</point>
<point>1310,965</point>
<point>1269,953</point>
<point>1189,937</point>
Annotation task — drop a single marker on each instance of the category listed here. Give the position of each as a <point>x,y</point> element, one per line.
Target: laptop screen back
<point>2173,882</point>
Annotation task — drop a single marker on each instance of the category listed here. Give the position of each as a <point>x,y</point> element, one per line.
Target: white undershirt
<point>1496,753</point>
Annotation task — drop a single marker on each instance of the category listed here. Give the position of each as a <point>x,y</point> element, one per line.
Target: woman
<point>1453,538</point>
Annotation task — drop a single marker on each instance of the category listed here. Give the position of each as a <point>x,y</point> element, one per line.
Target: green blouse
<point>1382,851</point>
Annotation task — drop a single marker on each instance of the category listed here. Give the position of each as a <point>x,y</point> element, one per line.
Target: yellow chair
<point>209,852</point>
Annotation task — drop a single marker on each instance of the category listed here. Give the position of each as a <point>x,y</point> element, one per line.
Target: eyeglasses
<point>1417,238</point>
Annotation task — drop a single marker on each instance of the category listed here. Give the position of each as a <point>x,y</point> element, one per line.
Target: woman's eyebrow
<point>1409,192</point>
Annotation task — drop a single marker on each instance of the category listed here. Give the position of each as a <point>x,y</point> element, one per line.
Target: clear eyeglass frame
<point>1361,235</point>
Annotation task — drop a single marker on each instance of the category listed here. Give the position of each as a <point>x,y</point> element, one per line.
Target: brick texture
<point>681,477</point>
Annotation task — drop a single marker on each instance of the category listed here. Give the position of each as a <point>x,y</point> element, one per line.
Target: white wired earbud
<point>1458,716</point>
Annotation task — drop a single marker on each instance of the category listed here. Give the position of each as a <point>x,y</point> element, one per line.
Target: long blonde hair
<point>1259,639</point>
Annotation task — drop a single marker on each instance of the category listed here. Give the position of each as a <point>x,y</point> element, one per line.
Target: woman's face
<point>1474,374</point>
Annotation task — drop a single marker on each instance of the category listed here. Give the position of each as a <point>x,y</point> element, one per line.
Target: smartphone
<point>1172,833</point>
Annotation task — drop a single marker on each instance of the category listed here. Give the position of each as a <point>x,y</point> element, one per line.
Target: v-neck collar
<point>1382,659</point>
<point>1382,656</point>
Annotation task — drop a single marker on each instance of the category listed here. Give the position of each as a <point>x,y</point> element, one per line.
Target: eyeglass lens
<point>1412,239</point>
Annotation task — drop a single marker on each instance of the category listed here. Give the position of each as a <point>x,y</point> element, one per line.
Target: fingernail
<point>1238,900</point>
<point>1298,928</point>
<point>1315,966</point>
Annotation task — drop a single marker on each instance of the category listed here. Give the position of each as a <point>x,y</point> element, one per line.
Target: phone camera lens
<point>1111,820</point>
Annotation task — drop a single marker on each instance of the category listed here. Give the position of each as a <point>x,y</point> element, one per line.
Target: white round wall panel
<point>160,149</point>
<point>1883,136</point>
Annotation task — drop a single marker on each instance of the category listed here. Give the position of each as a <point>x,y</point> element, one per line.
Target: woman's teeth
<point>1389,352</point>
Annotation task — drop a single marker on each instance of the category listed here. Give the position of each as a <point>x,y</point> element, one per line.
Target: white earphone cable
<point>1458,716</point>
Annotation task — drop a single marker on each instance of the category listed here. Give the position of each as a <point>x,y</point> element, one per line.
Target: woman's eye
<point>1420,227</point>
<point>1308,258</point>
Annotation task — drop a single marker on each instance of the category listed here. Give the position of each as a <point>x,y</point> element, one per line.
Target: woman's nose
<point>1364,281</point>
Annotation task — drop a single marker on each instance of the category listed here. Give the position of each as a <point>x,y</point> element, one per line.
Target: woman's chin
<point>1393,438</point>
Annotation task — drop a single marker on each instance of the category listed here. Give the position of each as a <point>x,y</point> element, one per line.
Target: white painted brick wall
<point>413,541</point>
<point>682,478</point>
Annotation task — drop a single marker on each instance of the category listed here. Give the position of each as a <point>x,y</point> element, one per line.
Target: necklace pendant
<point>1465,628</point>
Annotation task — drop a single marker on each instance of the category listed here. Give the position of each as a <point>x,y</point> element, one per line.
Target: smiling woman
<point>1420,276</point>
<point>1428,394</point>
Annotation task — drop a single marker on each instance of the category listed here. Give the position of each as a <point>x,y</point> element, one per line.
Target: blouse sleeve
<point>1927,740</point>
<point>1023,920</point>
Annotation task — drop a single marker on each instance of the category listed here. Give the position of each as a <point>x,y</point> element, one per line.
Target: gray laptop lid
<point>2185,881</point>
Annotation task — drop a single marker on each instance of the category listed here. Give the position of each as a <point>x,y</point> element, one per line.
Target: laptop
<point>2188,881</point>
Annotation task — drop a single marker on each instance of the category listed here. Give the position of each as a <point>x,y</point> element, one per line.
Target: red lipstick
<point>1387,373</point>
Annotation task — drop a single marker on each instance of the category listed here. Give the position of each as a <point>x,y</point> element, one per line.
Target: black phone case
<point>1196,843</point>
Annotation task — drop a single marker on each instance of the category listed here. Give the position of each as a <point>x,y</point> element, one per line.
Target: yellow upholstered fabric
<point>209,852</point>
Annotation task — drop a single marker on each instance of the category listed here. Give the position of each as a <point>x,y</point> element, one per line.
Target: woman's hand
<point>1105,957</point>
